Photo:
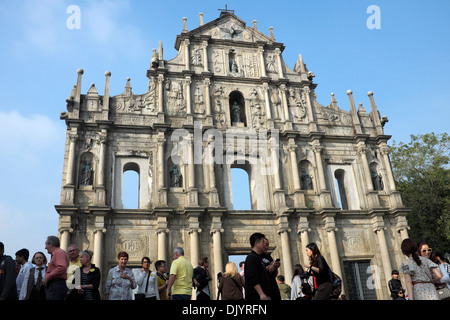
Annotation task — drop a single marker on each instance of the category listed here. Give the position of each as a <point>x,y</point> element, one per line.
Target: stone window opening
<point>130,186</point>
<point>240,186</point>
<point>340,183</point>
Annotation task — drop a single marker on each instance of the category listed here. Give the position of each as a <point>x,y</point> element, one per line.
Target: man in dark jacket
<point>8,289</point>
<point>257,283</point>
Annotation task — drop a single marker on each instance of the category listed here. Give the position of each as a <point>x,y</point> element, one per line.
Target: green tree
<point>422,174</point>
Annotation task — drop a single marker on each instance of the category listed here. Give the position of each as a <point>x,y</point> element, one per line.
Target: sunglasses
<point>426,250</point>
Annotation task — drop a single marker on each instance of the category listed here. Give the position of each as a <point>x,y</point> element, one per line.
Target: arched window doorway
<point>130,186</point>
<point>240,184</point>
<point>340,184</point>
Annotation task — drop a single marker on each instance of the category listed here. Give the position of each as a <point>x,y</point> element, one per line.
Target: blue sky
<point>405,63</point>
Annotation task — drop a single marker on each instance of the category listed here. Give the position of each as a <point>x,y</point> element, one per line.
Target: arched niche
<point>237,109</point>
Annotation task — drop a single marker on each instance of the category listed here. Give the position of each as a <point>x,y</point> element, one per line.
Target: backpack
<point>336,283</point>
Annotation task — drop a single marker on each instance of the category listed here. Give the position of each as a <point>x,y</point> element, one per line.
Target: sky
<point>404,60</point>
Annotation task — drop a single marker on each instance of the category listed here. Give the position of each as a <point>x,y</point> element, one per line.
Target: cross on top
<point>226,9</point>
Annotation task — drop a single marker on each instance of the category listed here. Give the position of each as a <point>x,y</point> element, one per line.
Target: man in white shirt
<point>22,259</point>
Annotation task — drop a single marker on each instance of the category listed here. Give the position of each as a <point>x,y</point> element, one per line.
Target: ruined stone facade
<point>316,173</point>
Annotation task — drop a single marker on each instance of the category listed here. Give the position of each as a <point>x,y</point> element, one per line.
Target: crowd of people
<point>71,275</point>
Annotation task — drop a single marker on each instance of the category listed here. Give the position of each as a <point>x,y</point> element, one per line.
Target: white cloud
<point>24,136</point>
<point>105,28</point>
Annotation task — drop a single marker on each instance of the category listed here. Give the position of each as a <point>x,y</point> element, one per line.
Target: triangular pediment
<point>230,27</point>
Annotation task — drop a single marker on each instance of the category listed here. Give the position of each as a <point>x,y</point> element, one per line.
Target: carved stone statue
<point>175,177</point>
<point>87,173</point>
<point>307,183</point>
<point>377,181</point>
<point>236,113</point>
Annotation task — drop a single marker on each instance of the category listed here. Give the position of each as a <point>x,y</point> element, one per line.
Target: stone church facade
<point>228,100</point>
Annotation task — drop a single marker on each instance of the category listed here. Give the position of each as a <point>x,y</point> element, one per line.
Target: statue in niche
<point>306,179</point>
<point>233,64</point>
<point>87,173</point>
<point>235,112</point>
<point>175,177</point>
<point>377,181</point>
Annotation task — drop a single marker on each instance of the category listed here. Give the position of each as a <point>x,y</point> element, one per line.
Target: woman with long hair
<point>301,284</point>
<point>419,273</point>
<point>231,283</point>
<point>321,272</point>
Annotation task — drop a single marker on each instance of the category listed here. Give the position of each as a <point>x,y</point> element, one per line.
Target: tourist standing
<point>56,274</point>
<point>22,260</point>
<point>161,270</point>
<point>74,262</point>
<point>147,282</point>
<point>8,289</point>
<point>231,283</point>
<point>201,279</point>
<point>321,272</point>
<point>395,285</point>
<point>302,283</point>
<point>443,286</point>
<point>120,280</point>
<point>32,288</point>
<point>419,273</point>
<point>180,279</point>
<point>89,279</point>
<point>257,283</point>
<point>285,289</point>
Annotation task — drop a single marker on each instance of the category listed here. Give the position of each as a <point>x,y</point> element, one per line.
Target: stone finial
<point>80,71</point>
<point>254,22</point>
<point>333,103</point>
<point>272,36</point>
<point>184,25</point>
<point>108,73</point>
<point>127,91</point>
<point>200,16</point>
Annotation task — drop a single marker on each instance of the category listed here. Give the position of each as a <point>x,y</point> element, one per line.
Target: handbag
<point>443,293</point>
<point>141,296</point>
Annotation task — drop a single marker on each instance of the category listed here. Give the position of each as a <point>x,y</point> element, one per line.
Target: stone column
<point>362,152</point>
<point>205,56</point>
<point>312,122</point>
<point>187,83</point>
<point>288,123</point>
<point>187,63</point>
<point>207,97</point>
<point>384,150</point>
<point>317,152</point>
<point>73,137</point>
<point>330,227</point>
<point>261,61</point>
<point>161,172</point>
<point>267,101</point>
<point>274,154</point>
<point>101,165</point>
<point>65,238</point>
<point>294,165</point>
<point>162,244</point>
<point>98,247</point>
<point>217,245</point>
<point>280,66</point>
<point>161,93</point>
<point>379,230</point>
<point>287,258</point>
